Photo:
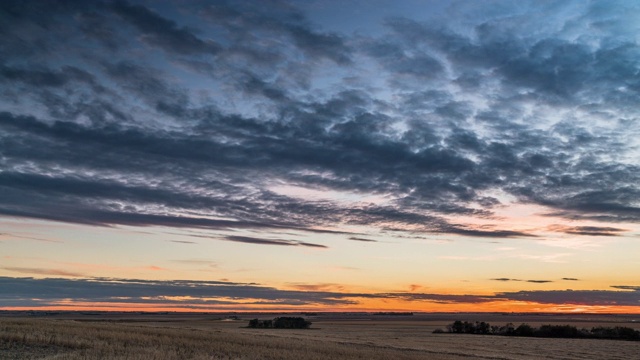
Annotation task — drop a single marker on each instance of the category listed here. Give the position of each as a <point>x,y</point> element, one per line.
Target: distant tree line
<point>548,331</point>
<point>281,323</point>
<point>394,313</point>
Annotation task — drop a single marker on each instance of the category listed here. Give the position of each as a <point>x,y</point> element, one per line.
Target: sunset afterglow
<point>424,156</point>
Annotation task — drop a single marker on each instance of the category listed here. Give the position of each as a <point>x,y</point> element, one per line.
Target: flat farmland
<point>331,336</point>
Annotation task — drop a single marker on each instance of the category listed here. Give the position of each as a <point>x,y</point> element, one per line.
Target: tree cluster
<point>549,331</point>
<point>393,313</point>
<point>281,323</point>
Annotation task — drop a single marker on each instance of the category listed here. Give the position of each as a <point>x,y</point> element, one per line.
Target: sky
<point>320,155</point>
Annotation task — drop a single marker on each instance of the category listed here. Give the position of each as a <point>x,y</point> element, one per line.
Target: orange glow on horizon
<point>377,305</point>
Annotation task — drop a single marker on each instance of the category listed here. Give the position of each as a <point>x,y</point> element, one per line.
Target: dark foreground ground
<point>82,335</point>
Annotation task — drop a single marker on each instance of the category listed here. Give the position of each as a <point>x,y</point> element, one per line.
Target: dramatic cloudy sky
<point>333,155</point>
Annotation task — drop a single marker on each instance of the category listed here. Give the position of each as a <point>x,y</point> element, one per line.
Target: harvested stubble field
<point>330,337</point>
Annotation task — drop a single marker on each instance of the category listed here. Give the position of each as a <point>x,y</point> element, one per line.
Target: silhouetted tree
<point>508,329</point>
<point>456,327</point>
<point>482,328</point>
<point>291,323</point>
<point>524,330</point>
<point>552,331</point>
<point>281,323</point>
<point>617,332</point>
<point>557,331</point>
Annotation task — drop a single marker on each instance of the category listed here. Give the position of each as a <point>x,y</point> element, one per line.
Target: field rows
<point>28,338</point>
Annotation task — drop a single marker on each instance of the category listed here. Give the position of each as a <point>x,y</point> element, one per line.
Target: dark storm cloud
<point>557,69</point>
<point>44,77</point>
<point>97,128</point>
<point>560,72</point>
<point>248,22</point>
<point>146,83</point>
<point>68,212</point>
<point>393,56</point>
<point>317,44</point>
<point>163,32</point>
<point>147,150</point>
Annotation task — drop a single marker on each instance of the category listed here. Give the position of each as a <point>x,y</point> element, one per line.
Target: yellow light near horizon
<point>368,305</point>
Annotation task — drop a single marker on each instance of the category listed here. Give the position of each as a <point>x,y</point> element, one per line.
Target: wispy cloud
<point>279,242</point>
<point>205,262</point>
<point>155,268</point>
<point>42,271</point>
<point>183,242</point>
<point>11,236</point>
<point>548,258</point>
<point>626,287</point>
<point>354,238</point>
<point>529,281</point>
<point>317,287</point>
<point>588,230</point>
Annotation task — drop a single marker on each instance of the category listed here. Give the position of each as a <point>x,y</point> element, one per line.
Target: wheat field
<point>329,338</point>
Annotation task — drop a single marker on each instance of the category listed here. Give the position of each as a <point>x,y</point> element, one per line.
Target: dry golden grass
<point>43,338</point>
<point>65,339</point>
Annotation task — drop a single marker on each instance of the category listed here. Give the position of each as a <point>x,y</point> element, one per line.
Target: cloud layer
<point>123,113</point>
<point>30,292</point>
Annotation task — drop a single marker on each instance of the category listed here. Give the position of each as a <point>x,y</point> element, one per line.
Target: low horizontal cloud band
<point>31,292</point>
